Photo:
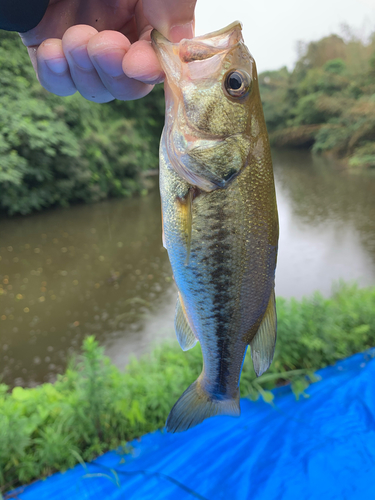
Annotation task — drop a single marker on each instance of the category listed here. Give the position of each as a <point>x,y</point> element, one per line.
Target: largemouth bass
<point>220,224</point>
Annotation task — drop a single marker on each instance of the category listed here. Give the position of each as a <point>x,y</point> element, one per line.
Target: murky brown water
<point>101,269</point>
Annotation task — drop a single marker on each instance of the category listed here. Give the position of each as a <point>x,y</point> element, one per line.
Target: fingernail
<point>81,57</point>
<point>181,31</point>
<point>111,62</point>
<point>57,65</point>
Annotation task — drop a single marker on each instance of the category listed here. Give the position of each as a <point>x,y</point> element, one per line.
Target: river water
<point>101,269</point>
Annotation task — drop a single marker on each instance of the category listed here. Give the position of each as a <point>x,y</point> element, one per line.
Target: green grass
<point>94,407</point>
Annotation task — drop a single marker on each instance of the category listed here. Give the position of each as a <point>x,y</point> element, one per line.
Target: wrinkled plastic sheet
<point>316,448</point>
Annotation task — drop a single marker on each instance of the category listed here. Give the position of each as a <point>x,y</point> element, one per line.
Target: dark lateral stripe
<point>220,278</point>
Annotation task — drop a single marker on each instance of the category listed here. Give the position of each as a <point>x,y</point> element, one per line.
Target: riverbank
<point>94,407</point>
<point>327,103</point>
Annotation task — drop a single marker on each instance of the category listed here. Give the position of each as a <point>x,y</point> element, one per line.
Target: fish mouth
<point>198,48</point>
<point>194,59</point>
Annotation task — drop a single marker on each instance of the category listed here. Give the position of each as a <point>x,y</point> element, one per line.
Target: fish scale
<point>220,221</point>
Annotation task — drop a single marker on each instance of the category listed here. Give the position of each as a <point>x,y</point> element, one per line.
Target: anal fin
<point>263,343</point>
<point>184,333</point>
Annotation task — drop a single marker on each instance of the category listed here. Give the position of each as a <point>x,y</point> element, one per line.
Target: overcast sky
<point>271,28</point>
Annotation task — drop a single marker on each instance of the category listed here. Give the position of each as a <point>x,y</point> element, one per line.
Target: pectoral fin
<point>184,333</point>
<point>185,208</point>
<point>263,343</point>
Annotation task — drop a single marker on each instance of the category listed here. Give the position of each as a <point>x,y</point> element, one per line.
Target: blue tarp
<point>319,448</point>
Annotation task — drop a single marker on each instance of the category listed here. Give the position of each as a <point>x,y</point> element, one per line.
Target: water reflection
<point>101,268</point>
<point>327,224</point>
<point>97,269</point>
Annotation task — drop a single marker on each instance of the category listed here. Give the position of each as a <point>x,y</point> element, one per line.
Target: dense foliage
<point>55,151</point>
<point>327,101</point>
<point>94,407</point>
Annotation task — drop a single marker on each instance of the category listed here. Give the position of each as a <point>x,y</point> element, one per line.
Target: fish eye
<point>237,83</point>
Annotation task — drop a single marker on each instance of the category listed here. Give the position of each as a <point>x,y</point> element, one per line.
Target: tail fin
<point>195,405</point>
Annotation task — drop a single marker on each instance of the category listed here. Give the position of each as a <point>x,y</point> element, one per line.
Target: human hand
<point>102,47</point>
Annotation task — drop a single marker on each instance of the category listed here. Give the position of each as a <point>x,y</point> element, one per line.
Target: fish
<point>219,212</point>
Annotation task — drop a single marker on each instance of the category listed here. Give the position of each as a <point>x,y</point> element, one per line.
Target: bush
<point>336,66</point>
<point>332,88</point>
<point>94,407</point>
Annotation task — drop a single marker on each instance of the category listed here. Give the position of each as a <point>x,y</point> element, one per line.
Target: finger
<point>107,50</point>
<point>174,19</point>
<point>82,70</point>
<point>141,63</point>
<point>52,68</point>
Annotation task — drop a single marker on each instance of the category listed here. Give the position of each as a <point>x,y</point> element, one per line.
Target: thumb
<point>172,18</point>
